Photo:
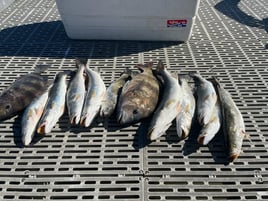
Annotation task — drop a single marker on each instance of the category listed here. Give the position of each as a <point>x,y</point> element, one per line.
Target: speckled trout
<point>169,106</point>
<point>206,98</point>
<point>210,129</point>
<point>31,117</point>
<point>76,92</point>
<point>55,106</point>
<point>94,97</point>
<point>185,117</point>
<point>233,123</point>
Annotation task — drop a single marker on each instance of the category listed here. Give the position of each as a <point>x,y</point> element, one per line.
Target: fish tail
<point>80,62</point>
<point>147,66</point>
<point>233,157</point>
<point>195,75</point>
<point>128,71</point>
<point>160,66</point>
<point>41,129</point>
<point>41,68</point>
<point>181,77</point>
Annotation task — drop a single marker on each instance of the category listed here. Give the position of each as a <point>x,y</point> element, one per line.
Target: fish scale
<point>23,91</point>
<point>233,123</point>
<point>169,106</point>
<point>139,96</point>
<point>94,97</point>
<point>55,105</point>
<point>76,93</point>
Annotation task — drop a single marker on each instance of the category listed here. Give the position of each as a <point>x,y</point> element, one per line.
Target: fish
<point>139,96</point>
<point>55,106</point>
<point>112,93</point>
<point>169,106</point>
<point>206,98</point>
<point>185,118</point>
<point>15,98</point>
<point>76,93</point>
<point>233,123</point>
<point>94,97</point>
<point>31,116</point>
<point>209,130</point>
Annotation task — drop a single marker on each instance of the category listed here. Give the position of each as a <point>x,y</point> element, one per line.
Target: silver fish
<point>139,96</point>
<point>55,106</point>
<point>185,118</point>
<point>22,92</point>
<point>210,129</point>
<point>111,96</point>
<point>206,98</point>
<point>94,97</point>
<point>76,93</point>
<point>233,122</point>
<point>31,117</point>
<point>169,106</point>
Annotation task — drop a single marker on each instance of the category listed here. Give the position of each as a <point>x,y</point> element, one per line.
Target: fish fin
<point>63,73</point>
<point>193,73</point>
<point>41,68</point>
<point>247,136</point>
<point>182,76</point>
<point>145,67</point>
<point>160,66</point>
<point>80,61</point>
<point>127,71</point>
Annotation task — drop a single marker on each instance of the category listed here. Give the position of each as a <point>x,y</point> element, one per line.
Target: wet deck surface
<point>108,162</point>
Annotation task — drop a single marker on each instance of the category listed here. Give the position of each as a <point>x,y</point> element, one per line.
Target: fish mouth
<point>120,118</point>
<point>26,141</point>
<point>42,129</point>
<point>75,120</point>
<point>83,121</point>
<point>184,133</point>
<point>233,157</point>
<point>149,134</point>
<point>200,140</point>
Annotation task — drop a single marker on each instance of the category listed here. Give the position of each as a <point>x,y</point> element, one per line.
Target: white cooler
<point>162,20</point>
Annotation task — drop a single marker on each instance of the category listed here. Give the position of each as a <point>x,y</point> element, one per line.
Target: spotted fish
<point>76,92</point>
<point>94,97</point>
<point>233,122</point>
<point>169,106</point>
<point>31,117</point>
<point>55,106</point>
<point>185,118</point>
<point>206,98</point>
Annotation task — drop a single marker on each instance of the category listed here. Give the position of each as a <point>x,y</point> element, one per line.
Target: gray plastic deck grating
<point>109,162</point>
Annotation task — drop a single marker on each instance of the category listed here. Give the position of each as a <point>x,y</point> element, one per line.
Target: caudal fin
<point>41,68</point>
<point>80,62</point>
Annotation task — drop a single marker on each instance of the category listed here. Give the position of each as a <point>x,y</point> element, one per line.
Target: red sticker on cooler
<point>177,23</point>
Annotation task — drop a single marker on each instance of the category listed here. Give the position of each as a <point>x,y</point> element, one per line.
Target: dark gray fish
<point>112,93</point>
<point>139,96</point>
<point>22,92</point>
<point>233,123</point>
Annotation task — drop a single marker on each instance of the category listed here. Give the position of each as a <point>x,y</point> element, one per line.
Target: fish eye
<point>135,112</point>
<point>8,107</point>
